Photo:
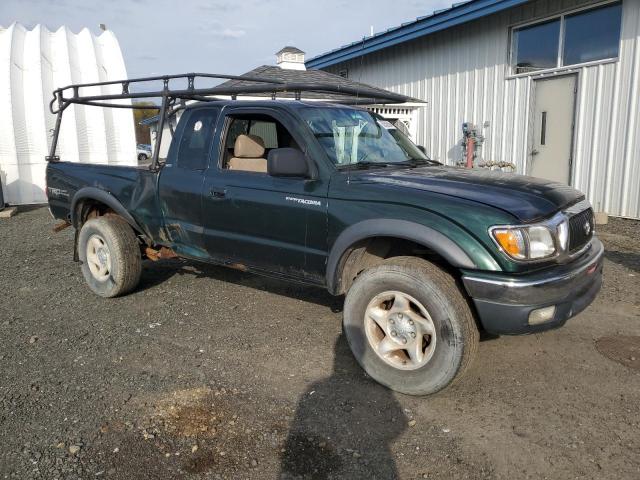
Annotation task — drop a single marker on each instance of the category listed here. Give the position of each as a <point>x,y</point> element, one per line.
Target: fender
<point>102,196</point>
<point>427,236</point>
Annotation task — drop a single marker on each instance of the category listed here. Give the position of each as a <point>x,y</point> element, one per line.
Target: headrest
<point>248,146</point>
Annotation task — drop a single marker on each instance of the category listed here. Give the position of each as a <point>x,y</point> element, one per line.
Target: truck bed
<point>134,187</point>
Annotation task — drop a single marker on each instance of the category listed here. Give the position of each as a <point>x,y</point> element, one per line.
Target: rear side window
<point>197,135</point>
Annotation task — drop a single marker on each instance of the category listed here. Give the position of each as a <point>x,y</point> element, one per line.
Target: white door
<point>553,119</point>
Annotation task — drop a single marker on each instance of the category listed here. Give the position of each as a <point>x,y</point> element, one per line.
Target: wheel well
<point>90,208</point>
<point>370,252</point>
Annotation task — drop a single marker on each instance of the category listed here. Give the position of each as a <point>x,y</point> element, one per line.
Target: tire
<point>433,302</point>
<point>142,157</point>
<point>110,255</point>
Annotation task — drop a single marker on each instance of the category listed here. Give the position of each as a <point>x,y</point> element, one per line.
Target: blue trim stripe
<point>440,20</point>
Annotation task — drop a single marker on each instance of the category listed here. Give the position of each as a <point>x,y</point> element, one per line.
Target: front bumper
<point>504,303</point>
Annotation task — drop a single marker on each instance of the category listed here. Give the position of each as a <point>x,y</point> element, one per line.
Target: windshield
<point>351,137</point>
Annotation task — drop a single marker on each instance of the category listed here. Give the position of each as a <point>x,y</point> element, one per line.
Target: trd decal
<point>58,192</point>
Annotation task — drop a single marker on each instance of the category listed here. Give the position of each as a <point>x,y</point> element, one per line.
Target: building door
<point>553,119</point>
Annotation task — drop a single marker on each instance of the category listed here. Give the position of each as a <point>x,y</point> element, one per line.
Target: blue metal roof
<point>458,14</point>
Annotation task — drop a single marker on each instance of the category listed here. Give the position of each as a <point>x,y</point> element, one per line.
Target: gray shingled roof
<point>312,77</point>
<point>289,49</point>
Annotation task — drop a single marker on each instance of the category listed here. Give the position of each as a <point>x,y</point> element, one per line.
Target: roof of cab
<point>287,104</point>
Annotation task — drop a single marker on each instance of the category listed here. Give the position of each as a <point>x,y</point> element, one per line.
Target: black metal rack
<point>174,100</point>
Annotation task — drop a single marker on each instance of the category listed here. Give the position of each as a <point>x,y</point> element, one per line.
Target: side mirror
<point>287,162</point>
<point>422,149</point>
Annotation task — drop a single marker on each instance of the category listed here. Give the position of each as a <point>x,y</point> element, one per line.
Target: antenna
<point>360,72</point>
<point>371,31</point>
<point>357,97</point>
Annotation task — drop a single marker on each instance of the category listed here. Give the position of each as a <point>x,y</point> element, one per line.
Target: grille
<point>579,233</point>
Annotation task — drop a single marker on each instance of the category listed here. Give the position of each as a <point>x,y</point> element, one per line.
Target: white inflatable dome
<point>32,64</point>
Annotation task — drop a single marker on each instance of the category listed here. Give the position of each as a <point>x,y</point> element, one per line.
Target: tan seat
<point>248,154</point>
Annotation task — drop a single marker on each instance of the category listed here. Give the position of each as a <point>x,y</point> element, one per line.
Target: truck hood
<point>527,198</point>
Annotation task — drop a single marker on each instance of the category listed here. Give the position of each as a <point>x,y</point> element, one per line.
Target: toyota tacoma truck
<point>332,195</point>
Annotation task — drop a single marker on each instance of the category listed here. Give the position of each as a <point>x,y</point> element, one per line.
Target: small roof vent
<point>290,58</point>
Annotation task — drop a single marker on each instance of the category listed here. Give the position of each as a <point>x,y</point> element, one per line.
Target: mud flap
<point>76,257</point>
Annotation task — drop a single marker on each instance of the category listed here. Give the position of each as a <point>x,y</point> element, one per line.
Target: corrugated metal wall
<point>32,64</point>
<point>463,75</point>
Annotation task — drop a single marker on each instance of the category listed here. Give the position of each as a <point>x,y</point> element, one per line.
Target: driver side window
<point>250,138</point>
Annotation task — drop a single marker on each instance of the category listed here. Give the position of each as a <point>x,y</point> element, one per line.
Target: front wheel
<point>142,157</point>
<point>110,256</point>
<point>409,326</point>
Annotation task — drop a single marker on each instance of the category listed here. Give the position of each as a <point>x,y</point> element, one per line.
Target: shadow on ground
<point>630,260</point>
<point>325,438</point>
<point>157,273</point>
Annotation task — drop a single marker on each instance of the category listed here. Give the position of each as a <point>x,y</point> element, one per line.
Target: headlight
<point>531,242</point>
<point>541,242</point>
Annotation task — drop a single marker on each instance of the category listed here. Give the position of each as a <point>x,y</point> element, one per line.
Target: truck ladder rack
<point>72,94</point>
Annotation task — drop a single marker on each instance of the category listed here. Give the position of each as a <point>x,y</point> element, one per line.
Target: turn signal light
<point>511,241</point>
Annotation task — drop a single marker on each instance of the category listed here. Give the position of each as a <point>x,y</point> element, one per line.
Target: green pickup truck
<point>332,195</point>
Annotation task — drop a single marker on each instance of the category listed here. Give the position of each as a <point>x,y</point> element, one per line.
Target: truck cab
<point>220,202</point>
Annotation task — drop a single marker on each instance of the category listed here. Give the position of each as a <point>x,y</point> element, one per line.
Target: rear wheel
<point>409,326</point>
<point>110,256</point>
<point>142,157</point>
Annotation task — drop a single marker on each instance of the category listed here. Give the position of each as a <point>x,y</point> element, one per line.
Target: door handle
<point>534,152</point>
<point>217,193</point>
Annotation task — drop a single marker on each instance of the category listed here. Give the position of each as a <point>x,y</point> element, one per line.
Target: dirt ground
<point>205,372</point>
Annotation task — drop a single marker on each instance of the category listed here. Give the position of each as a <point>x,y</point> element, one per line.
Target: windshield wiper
<point>416,162</point>
<point>364,164</point>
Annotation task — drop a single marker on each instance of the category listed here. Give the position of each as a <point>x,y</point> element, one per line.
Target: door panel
<point>181,181</point>
<point>180,193</point>
<point>272,224</point>
<point>553,128</point>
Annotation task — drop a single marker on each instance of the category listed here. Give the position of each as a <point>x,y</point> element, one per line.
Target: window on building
<point>592,35</point>
<point>536,46</point>
<point>570,39</point>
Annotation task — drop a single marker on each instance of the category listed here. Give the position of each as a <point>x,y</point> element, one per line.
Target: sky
<point>222,36</point>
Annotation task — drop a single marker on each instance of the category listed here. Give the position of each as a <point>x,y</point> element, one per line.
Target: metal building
<point>32,64</point>
<point>552,85</point>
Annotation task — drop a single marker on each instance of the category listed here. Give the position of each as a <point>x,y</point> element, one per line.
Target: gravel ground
<point>205,372</point>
